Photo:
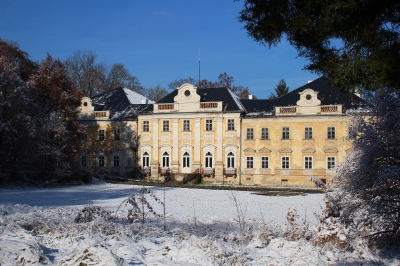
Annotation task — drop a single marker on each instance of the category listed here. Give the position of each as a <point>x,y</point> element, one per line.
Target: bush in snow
<point>369,199</point>
<point>91,212</point>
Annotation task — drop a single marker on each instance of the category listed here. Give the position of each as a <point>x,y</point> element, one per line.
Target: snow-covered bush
<point>296,230</point>
<point>91,212</point>
<point>369,199</point>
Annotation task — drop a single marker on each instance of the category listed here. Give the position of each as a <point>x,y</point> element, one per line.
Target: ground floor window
<point>84,160</point>
<point>285,162</point>
<point>264,162</point>
<point>230,160</point>
<point>308,162</point>
<point>250,162</point>
<point>165,159</point>
<point>186,160</point>
<point>331,162</point>
<point>145,159</point>
<point>116,160</point>
<point>209,160</point>
<point>101,160</point>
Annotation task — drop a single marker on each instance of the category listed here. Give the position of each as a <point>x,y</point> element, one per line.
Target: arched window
<point>186,160</point>
<point>209,160</point>
<point>230,160</point>
<point>146,159</point>
<point>165,159</point>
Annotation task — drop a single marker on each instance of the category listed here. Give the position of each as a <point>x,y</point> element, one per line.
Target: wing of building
<point>280,142</point>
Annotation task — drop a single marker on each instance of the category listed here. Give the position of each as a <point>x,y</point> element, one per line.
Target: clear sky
<point>158,41</point>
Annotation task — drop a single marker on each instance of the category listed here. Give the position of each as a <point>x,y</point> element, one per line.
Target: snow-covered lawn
<point>37,227</point>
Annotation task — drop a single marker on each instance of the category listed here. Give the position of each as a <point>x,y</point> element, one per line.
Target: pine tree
<point>280,90</point>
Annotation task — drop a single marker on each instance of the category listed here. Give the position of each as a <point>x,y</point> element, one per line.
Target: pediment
<point>187,93</point>
<point>331,150</point>
<point>285,150</point>
<point>250,150</point>
<point>264,150</point>
<point>186,146</point>
<point>308,150</point>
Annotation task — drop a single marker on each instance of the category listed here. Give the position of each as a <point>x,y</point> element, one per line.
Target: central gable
<point>187,93</point>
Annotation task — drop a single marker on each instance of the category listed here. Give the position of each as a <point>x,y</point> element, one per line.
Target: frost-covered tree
<point>369,198</point>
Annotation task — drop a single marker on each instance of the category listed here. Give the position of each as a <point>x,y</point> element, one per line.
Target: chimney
<point>250,97</point>
<point>145,101</point>
<point>310,81</point>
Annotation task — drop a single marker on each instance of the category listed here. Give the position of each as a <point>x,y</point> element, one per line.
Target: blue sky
<point>157,41</point>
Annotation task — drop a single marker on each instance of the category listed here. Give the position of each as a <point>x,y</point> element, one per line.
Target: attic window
<point>85,104</point>
<point>187,93</point>
<point>308,97</point>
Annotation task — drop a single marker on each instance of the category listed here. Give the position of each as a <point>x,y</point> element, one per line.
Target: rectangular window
<point>186,125</point>
<point>146,126</point>
<point>285,162</point>
<point>308,162</point>
<point>264,162</point>
<point>85,135</point>
<point>264,133</point>
<point>83,160</point>
<point>209,125</point>
<point>116,160</point>
<point>331,162</point>
<point>165,125</point>
<point>231,124</point>
<point>308,133</point>
<point>331,133</point>
<point>250,162</point>
<point>250,133</point>
<point>285,133</point>
<point>117,134</point>
<point>102,134</point>
<point>101,160</point>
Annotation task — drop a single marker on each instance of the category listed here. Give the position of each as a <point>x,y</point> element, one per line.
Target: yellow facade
<point>219,138</point>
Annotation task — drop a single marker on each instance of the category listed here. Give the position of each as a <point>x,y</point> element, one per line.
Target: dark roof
<point>327,93</point>
<point>117,102</point>
<point>231,101</point>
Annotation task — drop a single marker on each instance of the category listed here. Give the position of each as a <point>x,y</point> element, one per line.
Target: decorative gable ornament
<point>308,97</point>
<point>265,150</point>
<point>187,93</point>
<point>285,150</point>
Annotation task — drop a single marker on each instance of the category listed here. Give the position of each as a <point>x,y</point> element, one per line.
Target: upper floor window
<point>285,162</point>
<point>308,162</point>
<point>331,133</point>
<point>250,133</point>
<point>264,133</point>
<point>209,125</point>
<point>85,134</point>
<point>101,160</point>
<point>231,124</point>
<point>102,134</point>
<point>308,133</point>
<point>146,126</point>
<point>250,162</point>
<point>117,134</point>
<point>165,125</point>
<point>186,125</point>
<point>285,133</point>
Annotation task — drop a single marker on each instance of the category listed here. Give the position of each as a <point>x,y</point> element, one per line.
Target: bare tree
<point>176,83</point>
<point>119,76</point>
<point>156,93</point>
<point>86,73</point>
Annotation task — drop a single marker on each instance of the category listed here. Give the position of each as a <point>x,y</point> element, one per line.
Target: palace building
<point>213,133</point>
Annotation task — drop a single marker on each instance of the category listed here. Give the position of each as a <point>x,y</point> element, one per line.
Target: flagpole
<point>199,66</point>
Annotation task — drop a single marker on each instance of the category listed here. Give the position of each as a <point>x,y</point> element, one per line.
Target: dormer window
<point>85,104</point>
<point>187,93</point>
<point>308,97</point>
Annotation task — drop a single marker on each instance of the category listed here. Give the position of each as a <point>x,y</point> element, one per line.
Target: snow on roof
<point>237,100</point>
<point>136,98</point>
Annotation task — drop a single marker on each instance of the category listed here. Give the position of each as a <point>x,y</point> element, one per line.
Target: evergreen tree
<point>280,90</point>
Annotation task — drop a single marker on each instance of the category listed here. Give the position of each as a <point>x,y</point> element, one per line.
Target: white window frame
<point>285,162</point>
<point>146,126</point>
<point>308,162</point>
<point>208,160</point>
<point>331,132</point>
<point>186,160</point>
<point>329,160</point>
<point>264,133</point>
<point>231,124</point>
<point>308,133</point>
<point>145,159</point>
<point>264,162</point>
<point>250,162</point>
<point>285,133</point>
<point>165,160</point>
<point>250,133</point>
<point>186,125</point>
<point>101,134</point>
<point>230,160</point>
<point>209,125</point>
<point>165,126</point>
